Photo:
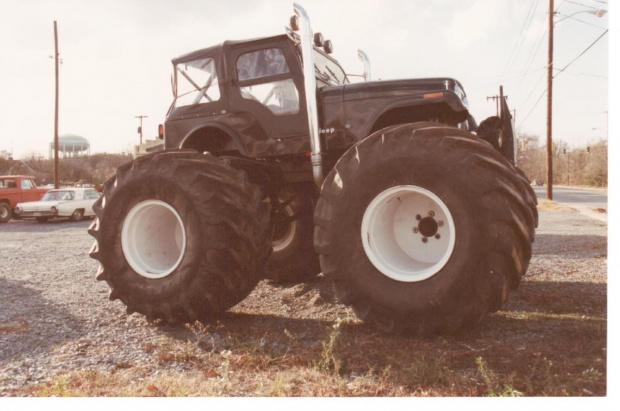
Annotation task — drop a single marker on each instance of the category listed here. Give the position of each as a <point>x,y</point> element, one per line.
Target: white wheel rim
<point>153,239</point>
<point>287,238</point>
<point>394,227</point>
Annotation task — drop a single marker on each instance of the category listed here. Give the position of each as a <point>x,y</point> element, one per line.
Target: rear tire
<point>180,236</point>
<point>404,184</point>
<point>293,259</point>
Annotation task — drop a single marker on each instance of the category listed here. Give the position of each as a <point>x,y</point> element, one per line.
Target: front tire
<point>180,236</point>
<point>423,229</point>
<point>5,212</point>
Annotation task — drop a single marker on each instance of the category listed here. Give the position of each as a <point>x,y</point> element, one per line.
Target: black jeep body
<point>235,125</point>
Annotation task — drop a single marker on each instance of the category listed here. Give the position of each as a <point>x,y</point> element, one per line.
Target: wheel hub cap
<point>408,233</point>
<point>153,239</point>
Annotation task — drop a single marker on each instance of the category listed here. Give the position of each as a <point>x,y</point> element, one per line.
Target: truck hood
<point>393,89</point>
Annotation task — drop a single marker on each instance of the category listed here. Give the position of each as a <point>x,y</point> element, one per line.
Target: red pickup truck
<point>17,189</point>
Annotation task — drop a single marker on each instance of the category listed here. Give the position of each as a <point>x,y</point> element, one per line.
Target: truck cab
<point>249,98</point>
<point>17,189</point>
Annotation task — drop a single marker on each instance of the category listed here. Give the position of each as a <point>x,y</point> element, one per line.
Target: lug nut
<point>440,223</point>
<point>437,236</point>
<point>418,217</point>
<point>431,213</point>
<point>424,240</point>
<point>415,230</point>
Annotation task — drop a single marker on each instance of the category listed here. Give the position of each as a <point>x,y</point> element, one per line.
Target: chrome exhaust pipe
<point>366,61</point>
<point>316,157</point>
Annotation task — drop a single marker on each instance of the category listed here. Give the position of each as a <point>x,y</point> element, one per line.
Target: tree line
<point>94,169</point>
<point>584,166</point>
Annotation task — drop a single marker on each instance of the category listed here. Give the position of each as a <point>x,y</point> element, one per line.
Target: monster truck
<point>418,215</point>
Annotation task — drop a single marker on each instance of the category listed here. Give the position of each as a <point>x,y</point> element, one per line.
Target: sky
<point>116,58</point>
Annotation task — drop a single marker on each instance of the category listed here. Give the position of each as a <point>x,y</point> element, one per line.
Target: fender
<point>225,142</point>
<point>450,99</point>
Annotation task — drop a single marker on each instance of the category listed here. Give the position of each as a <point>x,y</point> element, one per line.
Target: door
<point>268,84</point>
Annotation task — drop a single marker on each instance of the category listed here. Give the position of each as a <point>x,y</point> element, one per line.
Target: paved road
<point>588,201</point>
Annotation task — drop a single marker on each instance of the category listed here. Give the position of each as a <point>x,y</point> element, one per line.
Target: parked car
<point>74,203</point>
<point>16,189</point>
<point>537,183</point>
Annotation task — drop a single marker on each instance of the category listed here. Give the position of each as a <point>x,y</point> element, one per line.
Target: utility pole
<point>497,99</point>
<point>56,174</point>
<point>140,128</point>
<point>568,165</point>
<point>549,105</point>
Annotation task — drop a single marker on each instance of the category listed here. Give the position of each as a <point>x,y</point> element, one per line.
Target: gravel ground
<point>55,318</point>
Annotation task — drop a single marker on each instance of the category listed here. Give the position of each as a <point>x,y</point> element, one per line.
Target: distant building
<point>149,146</point>
<point>70,145</point>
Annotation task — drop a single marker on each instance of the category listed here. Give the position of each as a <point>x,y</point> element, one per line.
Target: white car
<point>75,203</point>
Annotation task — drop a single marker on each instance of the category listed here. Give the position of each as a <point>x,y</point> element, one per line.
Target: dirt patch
<point>548,205</point>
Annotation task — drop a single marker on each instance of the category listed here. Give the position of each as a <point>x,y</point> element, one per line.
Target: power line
<point>532,55</point>
<point>583,74</point>
<point>579,4</point>
<point>532,110</point>
<point>581,54</point>
<point>521,36</point>
<point>581,21</point>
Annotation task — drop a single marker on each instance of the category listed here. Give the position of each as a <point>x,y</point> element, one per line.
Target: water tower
<point>70,145</point>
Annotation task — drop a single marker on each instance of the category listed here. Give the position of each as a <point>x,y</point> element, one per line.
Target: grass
<point>350,360</point>
<point>548,205</point>
<point>21,327</point>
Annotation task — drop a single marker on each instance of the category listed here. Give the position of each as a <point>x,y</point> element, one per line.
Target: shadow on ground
<point>27,320</point>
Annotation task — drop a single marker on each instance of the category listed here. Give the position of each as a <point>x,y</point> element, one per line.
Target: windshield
<point>196,82</point>
<point>58,195</point>
<point>328,73</point>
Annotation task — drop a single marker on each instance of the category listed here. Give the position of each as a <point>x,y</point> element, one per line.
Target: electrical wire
<point>582,53</point>
<point>532,110</point>
<point>579,4</point>
<point>526,24</point>
<point>532,56</point>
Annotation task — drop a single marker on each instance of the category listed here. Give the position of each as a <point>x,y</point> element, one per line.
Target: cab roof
<point>221,48</point>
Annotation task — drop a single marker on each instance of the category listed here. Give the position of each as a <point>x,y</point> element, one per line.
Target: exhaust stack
<point>310,88</point>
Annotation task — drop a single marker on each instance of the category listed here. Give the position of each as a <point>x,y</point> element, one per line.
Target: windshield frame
<point>328,77</point>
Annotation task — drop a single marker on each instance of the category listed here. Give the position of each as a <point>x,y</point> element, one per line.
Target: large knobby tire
<point>529,193</point>
<point>5,212</point>
<point>293,259</point>
<point>180,236</point>
<point>423,229</point>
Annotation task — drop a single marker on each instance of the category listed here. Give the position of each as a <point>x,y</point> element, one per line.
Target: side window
<point>279,96</point>
<point>91,194</point>
<point>196,82</point>
<point>8,183</point>
<point>26,184</point>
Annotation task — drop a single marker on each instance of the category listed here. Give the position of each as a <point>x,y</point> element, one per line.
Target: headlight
<point>18,210</point>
